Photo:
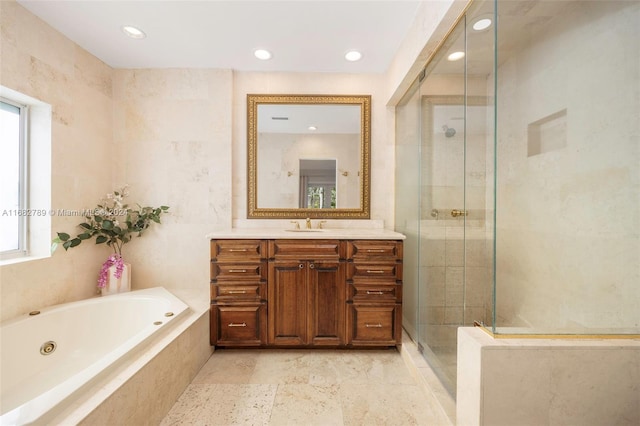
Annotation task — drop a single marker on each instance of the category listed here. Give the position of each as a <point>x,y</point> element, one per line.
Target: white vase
<point>118,285</point>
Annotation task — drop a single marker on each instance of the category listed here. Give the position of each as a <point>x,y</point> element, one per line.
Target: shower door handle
<point>458,213</point>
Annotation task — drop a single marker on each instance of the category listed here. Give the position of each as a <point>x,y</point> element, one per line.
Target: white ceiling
<point>287,118</point>
<point>303,35</point>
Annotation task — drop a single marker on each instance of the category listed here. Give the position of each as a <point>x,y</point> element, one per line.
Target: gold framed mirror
<point>308,156</point>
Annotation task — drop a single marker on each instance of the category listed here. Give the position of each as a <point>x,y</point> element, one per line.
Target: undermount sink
<point>304,230</point>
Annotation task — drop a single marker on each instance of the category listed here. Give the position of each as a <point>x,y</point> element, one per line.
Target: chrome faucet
<point>296,223</point>
<point>308,223</point>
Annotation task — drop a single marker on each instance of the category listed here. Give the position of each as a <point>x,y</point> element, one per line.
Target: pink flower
<point>112,260</point>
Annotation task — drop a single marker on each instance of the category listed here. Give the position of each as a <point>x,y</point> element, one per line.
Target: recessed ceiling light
<point>455,56</point>
<point>482,24</point>
<point>313,128</point>
<point>262,54</point>
<point>133,32</point>
<point>353,55</point>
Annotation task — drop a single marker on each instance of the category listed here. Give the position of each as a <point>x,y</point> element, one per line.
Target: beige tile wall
<point>176,136</point>
<point>41,63</point>
<point>567,236</point>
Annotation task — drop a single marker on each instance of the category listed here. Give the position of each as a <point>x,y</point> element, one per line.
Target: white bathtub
<point>90,336</point>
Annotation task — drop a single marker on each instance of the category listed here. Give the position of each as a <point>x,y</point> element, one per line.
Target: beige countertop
<point>306,234</point>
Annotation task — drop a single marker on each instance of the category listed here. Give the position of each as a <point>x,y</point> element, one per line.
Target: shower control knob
<point>458,213</point>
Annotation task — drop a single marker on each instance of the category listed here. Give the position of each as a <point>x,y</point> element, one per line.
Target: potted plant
<point>114,223</point>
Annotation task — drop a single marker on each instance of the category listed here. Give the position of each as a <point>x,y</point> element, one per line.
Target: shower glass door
<point>445,122</point>
<point>442,209</point>
<point>407,201</point>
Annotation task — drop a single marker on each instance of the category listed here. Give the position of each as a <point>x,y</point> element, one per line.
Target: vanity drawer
<point>367,250</point>
<point>305,249</point>
<point>374,325</point>
<point>256,272</point>
<point>374,293</point>
<point>232,292</point>
<point>370,272</point>
<point>238,250</point>
<point>238,325</point>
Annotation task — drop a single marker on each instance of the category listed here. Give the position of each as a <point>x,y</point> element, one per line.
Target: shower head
<point>448,131</point>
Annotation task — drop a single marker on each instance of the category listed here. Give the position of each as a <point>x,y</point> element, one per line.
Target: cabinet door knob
<point>301,265</point>
<point>312,266</point>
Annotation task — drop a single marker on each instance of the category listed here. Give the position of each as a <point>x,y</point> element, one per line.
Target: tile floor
<point>305,387</point>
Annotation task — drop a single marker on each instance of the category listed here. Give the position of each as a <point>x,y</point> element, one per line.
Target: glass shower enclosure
<point>518,177</point>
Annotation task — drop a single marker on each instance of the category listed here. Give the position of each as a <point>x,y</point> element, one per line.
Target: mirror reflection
<point>308,156</point>
<point>318,184</point>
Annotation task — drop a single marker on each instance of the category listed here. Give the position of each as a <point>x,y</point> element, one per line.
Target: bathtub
<point>50,357</point>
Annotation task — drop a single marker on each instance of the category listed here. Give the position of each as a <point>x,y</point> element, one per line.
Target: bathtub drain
<point>48,348</point>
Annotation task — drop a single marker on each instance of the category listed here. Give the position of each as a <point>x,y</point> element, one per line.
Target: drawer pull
<point>373,325</point>
<point>375,250</point>
<point>237,271</point>
<point>375,271</point>
<point>238,250</point>
<point>232,324</point>
<point>236,291</point>
<point>375,292</point>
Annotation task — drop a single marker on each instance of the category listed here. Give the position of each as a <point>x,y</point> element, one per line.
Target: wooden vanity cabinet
<point>238,292</point>
<point>306,292</point>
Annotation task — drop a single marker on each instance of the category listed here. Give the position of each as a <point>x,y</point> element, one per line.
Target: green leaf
<point>101,239</point>
<point>107,224</point>
<point>54,246</point>
<point>75,242</point>
<point>66,245</point>
<point>85,226</point>
<point>84,236</point>
<point>97,218</point>
<point>63,236</point>
<point>165,208</point>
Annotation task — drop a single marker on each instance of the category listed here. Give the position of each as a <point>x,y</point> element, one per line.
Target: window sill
<point>15,260</point>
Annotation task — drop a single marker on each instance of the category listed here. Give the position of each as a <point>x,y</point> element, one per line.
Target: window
<point>321,196</point>
<point>13,175</point>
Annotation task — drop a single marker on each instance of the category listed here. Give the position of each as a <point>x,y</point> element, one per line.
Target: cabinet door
<point>287,296</point>
<point>326,302</point>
